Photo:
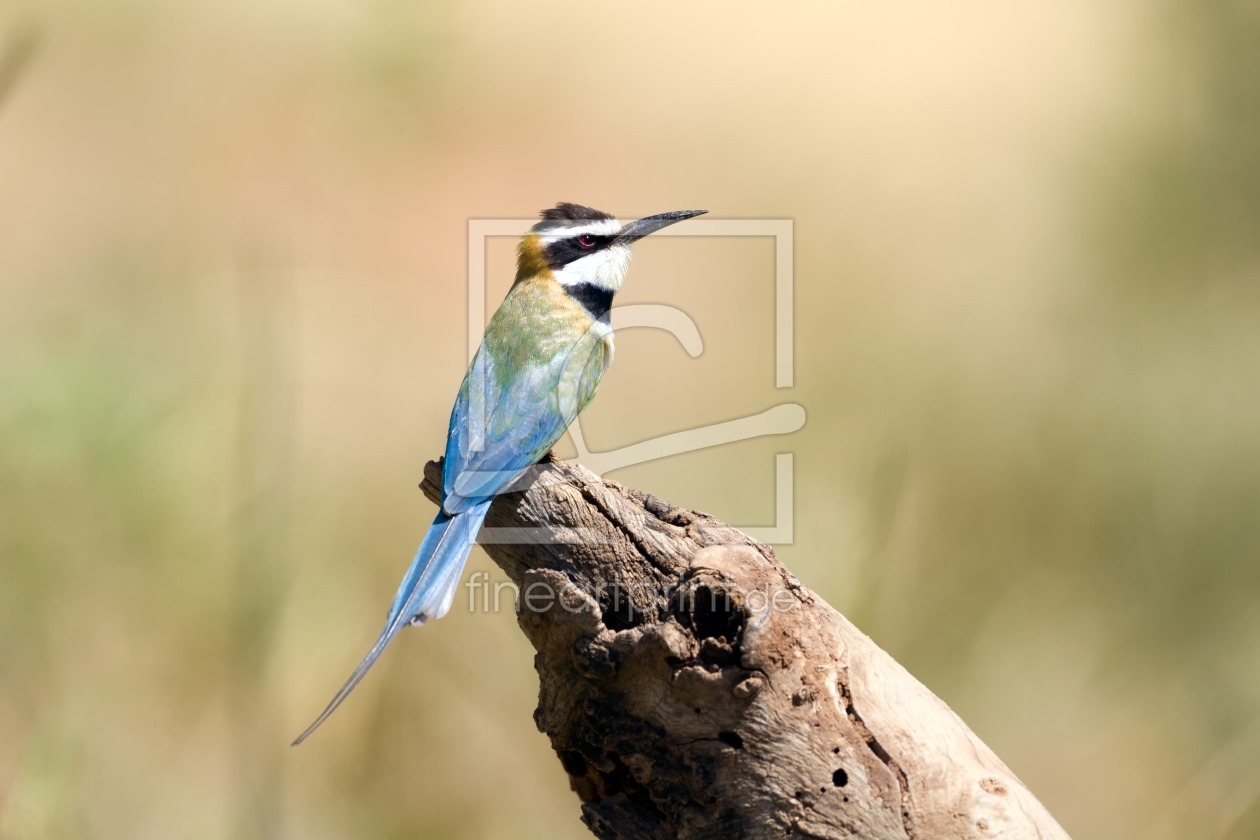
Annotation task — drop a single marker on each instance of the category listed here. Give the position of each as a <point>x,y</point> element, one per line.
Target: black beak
<point>651,224</point>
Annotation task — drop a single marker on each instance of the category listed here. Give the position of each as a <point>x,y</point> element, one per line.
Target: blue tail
<point>426,590</point>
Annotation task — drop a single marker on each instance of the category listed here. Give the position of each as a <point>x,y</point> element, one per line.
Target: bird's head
<point>583,247</point>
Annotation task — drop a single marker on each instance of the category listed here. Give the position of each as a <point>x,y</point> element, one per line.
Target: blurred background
<point>233,319</point>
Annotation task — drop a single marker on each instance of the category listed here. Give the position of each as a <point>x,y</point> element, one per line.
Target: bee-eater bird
<point>539,363</point>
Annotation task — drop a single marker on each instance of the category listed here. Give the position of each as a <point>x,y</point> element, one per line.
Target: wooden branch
<point>693,688</point>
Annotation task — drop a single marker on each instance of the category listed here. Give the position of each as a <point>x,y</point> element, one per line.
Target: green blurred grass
<point>232,320</point>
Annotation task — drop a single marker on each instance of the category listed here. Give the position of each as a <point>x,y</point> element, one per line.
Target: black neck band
<point>594,299</point>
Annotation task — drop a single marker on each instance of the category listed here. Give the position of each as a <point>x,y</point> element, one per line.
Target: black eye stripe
<point>564,251</point>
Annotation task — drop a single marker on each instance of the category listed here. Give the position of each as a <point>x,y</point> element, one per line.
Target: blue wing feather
<point>501,426</point>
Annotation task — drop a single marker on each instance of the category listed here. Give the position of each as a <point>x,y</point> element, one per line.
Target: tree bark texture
<point>693,688</point>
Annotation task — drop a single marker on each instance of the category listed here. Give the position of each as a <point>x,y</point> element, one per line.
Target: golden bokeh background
<point>233,318</point>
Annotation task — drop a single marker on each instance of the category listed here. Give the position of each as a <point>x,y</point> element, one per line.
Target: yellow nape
<point>529,258</point>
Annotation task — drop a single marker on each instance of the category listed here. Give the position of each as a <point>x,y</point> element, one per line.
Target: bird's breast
<point>537,324</point>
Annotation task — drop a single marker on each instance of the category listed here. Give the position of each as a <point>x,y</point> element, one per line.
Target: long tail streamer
<point>426,591</point>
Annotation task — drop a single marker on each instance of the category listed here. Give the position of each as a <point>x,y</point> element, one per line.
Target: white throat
<point>605,269</point>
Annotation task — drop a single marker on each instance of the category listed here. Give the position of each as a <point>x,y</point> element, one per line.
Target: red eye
<point>586,240</point>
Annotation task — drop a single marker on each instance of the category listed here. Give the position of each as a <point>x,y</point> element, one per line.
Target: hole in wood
<point>620,611</point>
<point>710,613</point>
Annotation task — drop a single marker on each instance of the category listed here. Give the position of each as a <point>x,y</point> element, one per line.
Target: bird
<point>539,364</point>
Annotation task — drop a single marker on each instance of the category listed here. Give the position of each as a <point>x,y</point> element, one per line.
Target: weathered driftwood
<point>693,688</point>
